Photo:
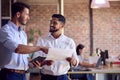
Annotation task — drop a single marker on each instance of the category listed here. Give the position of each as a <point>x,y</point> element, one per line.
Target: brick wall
<point>106,24</point>
<point>107,28</point>
<point>40,16</point>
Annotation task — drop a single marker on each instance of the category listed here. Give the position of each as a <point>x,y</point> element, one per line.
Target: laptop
<point>98,62</point>
<point>79,68</point>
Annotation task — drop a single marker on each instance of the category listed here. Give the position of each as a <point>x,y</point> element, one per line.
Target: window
<point>5,11</point>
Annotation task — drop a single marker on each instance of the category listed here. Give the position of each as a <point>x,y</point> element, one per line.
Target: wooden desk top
<point>102,69</point>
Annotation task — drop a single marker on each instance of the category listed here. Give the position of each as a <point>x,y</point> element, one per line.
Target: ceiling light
<point>100,4</point>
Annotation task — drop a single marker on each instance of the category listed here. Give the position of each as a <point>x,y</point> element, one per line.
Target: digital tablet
<point>39,59</point>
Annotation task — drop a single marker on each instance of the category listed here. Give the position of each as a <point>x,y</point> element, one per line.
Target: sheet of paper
<point>59,54</point>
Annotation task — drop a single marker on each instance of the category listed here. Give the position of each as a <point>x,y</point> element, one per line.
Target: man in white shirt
<point>56,39</point>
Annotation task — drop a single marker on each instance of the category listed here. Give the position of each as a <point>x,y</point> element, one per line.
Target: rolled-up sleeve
<point>7,40</point>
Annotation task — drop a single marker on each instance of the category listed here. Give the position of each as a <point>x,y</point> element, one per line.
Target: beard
<point>52,30</point>
<point>22,22</point>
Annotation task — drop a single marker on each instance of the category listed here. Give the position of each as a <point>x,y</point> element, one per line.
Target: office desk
<point>100,73</point>
<point>102,69</point>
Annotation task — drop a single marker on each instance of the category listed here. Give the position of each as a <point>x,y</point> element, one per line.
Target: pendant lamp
<point>100,4</point>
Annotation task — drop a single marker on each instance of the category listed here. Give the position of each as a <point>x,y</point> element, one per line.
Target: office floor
<point>33,76</point>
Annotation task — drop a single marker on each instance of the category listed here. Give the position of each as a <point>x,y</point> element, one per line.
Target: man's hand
<point>44,49</point>
<point>37,64</point>
<point>34,64</point>
<point>71,60</point>
<point>47,62</point>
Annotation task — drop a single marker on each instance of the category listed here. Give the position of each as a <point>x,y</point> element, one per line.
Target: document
<point>59,54</point>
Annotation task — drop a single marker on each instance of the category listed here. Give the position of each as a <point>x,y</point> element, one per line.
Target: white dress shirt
<point>10,37</point>
<point>63,42</point>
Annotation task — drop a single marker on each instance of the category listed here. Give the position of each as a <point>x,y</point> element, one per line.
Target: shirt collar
<point>58,37</point>
<point>14,26</point>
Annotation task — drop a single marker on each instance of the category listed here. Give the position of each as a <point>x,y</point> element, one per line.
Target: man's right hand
<point>44,49</point>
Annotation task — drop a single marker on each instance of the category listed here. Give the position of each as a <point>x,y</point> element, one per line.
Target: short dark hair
<point>18,7</point>
<point>80,46</point>
<point>60,17</point>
